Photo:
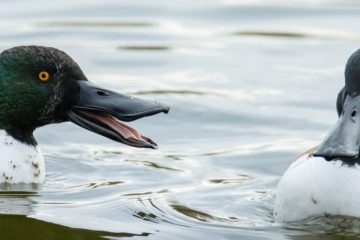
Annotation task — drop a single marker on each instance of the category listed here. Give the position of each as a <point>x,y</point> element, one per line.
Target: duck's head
<point>41,85</point>
<point>344,140</point>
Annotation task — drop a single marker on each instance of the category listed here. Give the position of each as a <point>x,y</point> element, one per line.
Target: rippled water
<point>251,85</point>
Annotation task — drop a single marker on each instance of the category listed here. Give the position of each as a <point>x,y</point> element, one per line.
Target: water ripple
<point>99,24</point>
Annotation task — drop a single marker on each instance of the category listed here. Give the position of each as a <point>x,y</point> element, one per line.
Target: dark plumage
<point>43,85</point>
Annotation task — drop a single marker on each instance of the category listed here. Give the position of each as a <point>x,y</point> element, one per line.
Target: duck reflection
<point>16,199</point>
<point>22,227</point>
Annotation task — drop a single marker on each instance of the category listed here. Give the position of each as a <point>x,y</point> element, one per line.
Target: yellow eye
<point>44,76</point>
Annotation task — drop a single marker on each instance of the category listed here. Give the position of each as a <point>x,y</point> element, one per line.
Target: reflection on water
<point>325,35</point>
<point>154,165</point>
<point>201,216</point>
<point>240,179</point>
<point>77,24</point>
<point>145,48</point>
<point>22,227</point>
<point>245,81</point>
<point>272,34</point>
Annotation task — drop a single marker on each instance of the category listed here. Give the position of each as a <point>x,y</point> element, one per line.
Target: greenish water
<point>251,84</point>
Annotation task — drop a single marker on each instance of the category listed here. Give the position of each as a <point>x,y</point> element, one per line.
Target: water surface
<point>251,86</point>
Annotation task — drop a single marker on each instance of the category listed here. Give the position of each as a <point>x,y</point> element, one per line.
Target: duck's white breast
<point>19,162</point>
<point>313,186</point>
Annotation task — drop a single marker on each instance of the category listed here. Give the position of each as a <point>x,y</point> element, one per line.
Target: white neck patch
<point>19,162</point>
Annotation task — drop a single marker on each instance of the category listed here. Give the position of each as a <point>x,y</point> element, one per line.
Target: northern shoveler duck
<point>43,85</point>
<point>326,180</point>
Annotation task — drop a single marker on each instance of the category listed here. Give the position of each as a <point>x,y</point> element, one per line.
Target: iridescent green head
<point>36,86</point>
<point>42,85</point>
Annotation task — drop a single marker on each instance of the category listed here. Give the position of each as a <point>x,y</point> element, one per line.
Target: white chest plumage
<point>313,186</point>
<point>19,162</point>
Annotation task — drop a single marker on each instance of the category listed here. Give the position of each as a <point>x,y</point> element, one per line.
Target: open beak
<point>344,140</point>
<point>103,112</point>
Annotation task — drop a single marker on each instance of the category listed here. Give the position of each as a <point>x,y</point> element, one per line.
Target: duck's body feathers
<point>313,186</point>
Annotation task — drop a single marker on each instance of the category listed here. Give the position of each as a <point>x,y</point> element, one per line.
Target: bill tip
<point>166,109</point>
